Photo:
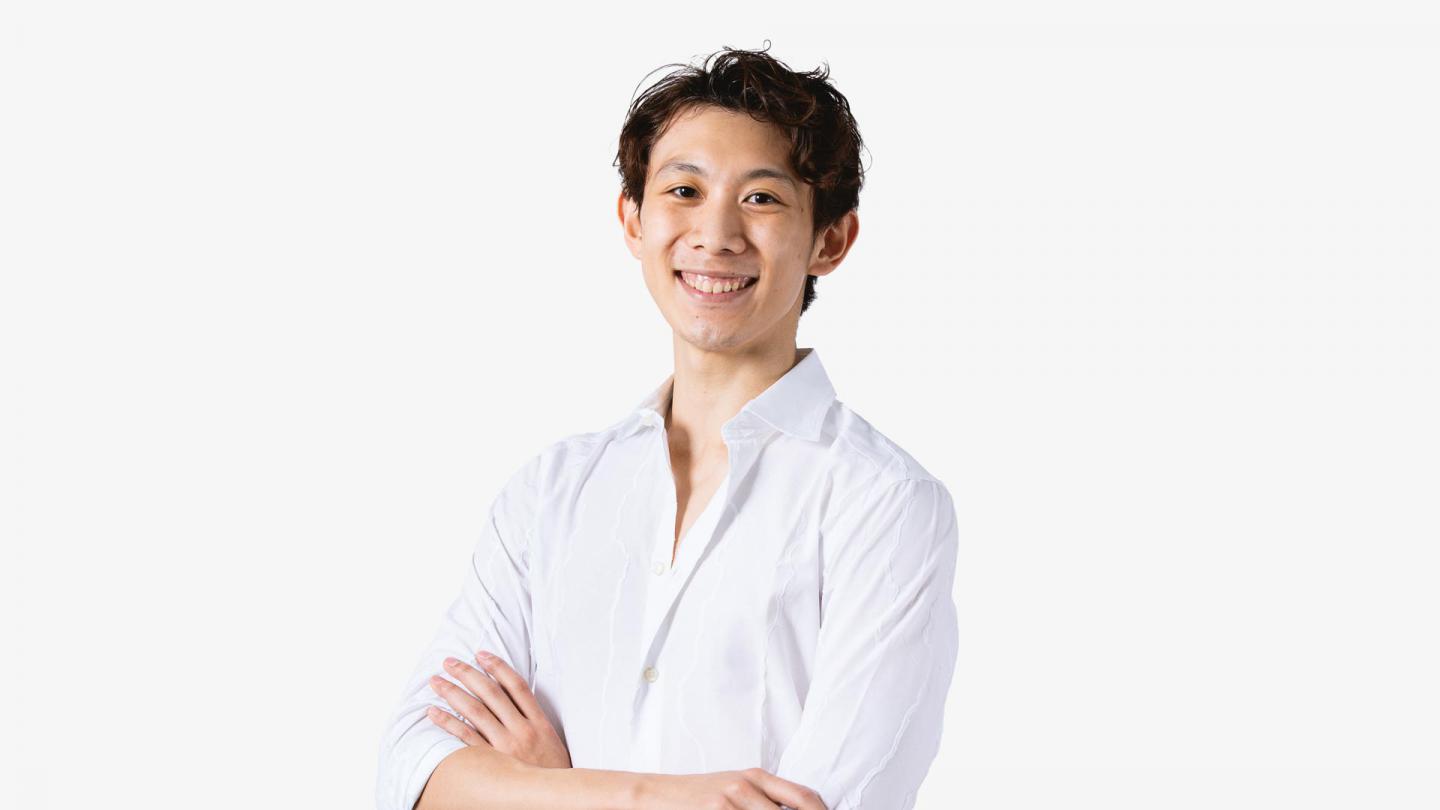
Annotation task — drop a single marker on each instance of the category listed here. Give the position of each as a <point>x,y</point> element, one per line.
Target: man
<point>739,594</point>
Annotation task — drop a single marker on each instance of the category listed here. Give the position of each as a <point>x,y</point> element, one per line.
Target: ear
<point>629,215</point>
<point>833,243</point>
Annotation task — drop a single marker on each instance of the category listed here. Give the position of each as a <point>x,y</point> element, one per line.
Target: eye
<point>677,188</point>
<point>762,194</point>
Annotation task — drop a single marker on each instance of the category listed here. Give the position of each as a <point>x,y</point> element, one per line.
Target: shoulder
<point>563,459</point>
<point>871,460</point>
<point>887,508</point>
<point>881,494</point>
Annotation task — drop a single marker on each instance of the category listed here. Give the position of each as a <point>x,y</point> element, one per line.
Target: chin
<point>709,337</point>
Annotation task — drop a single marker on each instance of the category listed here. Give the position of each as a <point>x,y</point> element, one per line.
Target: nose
<point>718,226</point>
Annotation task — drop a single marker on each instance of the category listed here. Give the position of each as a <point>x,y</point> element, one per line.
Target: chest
<point>626,563</point>
<point>628,624</point>
<point>694,495</point>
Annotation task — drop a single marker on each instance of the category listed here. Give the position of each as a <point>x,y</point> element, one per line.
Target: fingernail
<point>452,663</point>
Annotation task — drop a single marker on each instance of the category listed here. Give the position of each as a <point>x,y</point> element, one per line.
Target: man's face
<point>703,215</point>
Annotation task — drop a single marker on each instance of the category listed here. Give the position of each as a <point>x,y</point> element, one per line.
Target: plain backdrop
<point>290,287</point>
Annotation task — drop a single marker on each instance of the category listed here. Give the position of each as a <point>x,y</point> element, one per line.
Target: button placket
<point>744,448</point>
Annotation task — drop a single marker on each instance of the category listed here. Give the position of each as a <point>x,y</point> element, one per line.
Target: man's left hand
<point>502,711</point>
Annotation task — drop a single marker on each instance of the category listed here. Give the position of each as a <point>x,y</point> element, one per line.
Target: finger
<point>468,707</point>
<point>746,794</point>
<point>754,799</point>
<point>454,725</point>
<point>487,690</point>
<point>515,686</point>
<point>787,793</point>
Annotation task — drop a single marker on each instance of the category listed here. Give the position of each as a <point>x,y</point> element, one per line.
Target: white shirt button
<point>658,568</point>
<point>651,674</point>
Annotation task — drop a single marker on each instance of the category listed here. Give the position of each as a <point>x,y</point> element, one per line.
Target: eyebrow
<point>763,171</point>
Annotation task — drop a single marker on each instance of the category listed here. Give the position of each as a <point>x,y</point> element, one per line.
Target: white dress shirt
<point>807,625</point>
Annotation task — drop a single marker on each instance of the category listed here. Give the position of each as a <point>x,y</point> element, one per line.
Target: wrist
<point>633,791</point>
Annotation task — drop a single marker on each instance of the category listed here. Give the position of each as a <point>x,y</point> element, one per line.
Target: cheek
<point>787,258</point>
<point>660,220</point>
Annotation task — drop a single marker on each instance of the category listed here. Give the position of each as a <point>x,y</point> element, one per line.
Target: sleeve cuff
<point>423,769</point>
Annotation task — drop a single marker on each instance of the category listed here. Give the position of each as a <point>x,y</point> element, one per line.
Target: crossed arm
<point>871,725</point>
<point>520,761</point>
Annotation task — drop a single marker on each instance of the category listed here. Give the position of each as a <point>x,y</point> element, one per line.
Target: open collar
<point>795,404</point>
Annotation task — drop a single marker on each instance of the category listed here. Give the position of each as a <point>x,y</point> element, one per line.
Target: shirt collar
<point>794,404</point>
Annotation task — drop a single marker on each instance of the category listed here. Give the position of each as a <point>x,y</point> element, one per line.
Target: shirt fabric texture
<point>807,625</point>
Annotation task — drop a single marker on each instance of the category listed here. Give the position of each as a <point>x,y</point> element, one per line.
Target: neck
<point>711,387</point>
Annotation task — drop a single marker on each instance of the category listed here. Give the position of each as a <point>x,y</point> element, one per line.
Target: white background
<point>289,288</point>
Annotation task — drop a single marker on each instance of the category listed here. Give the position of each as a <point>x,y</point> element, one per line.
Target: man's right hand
<point>750,789</point>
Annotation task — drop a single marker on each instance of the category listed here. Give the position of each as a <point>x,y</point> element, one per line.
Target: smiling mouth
<point>712,285</point>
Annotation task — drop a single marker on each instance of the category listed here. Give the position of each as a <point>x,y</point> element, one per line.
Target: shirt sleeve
<point>492,613</point>
<point>885,654</point>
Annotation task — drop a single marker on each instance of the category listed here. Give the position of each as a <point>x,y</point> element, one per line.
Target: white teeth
<point>714,285</point>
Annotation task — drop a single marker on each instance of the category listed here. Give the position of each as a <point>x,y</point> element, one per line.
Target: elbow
<point>465,780</point>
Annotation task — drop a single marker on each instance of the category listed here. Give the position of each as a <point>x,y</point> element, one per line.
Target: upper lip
<point>714,273</point>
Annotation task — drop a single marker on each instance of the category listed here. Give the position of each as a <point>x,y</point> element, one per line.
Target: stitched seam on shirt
<point>926,565</point>
<point>827,576</point>
<point>530,586</point>
<point>484,574</point>
<point>886,637</point>
<point>897,460</point>
<point>615,609</point>
<point>854,449</point>
<point>558,568</point>
<point>890,637</point>
<point>842,514</point>
<point>776,608</point>
<point>909,712</point>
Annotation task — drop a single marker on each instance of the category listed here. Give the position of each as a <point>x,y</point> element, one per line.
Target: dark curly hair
<point>824,140</point>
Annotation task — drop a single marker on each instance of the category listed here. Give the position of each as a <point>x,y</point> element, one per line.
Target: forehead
<point>720,140</point>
